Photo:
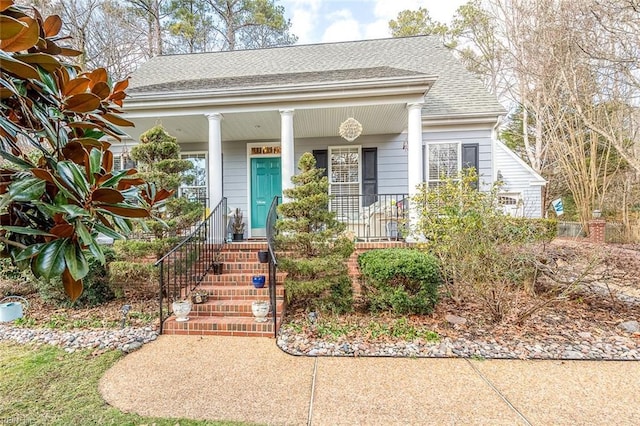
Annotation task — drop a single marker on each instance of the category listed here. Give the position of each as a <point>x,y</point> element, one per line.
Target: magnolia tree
<point>58,190</point>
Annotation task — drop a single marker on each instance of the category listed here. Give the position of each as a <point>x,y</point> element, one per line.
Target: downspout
<point>494,138</point>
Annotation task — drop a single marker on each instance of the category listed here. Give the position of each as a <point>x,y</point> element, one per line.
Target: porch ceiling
<point>265,125</point>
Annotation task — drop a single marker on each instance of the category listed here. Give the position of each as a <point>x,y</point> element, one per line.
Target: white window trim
<point>206,161</point>
<point>329,171</point>
<point>441,142</point>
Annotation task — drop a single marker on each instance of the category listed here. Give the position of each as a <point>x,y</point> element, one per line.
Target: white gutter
<point>278,94</point>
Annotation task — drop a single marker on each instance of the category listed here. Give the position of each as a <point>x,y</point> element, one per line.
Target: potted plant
<point>258,281</point>
<point>260,310</point>
<point>199,297</point>
<point>217,263</point>
<point>263,256</point>
<point>181,309</point>
<point>237,225</point>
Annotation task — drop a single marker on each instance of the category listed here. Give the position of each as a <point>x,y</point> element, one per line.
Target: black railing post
<point>272,216</point>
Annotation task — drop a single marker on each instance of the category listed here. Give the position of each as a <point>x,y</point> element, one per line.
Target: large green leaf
<point>83,233</point>
<point>16,161</point>
<point>107,231</point>
<point>51,259</point>
<point>29,252</point>
<point>113,180</point>
<point>95,160</point>
<point>26,231</point>
<point>76,262</point>
<point>24,189</point>
<point>125,211</point>
<point>72,175</point>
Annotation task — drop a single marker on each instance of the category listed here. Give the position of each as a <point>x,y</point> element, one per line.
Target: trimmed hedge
<point>399,280</point>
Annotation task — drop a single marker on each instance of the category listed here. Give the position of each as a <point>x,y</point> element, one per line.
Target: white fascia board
<point>406,86</point>
<point>489,118</point>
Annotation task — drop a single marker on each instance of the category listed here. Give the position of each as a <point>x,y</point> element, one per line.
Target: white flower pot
<point>181,309</point>
<point>260,310</point>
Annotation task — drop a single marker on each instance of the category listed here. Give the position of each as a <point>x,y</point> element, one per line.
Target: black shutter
<point>470,158</point>
<point>369,175</point>
<point>322,160</point>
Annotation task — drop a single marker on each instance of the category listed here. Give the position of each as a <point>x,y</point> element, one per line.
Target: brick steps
<point>227,307</point>
<point>228,310</point>
<point>221,326</point>
<point>227,292</point>
<point>238,278</point>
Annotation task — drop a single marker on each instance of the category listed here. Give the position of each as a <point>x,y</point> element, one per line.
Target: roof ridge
<point>293,46</point>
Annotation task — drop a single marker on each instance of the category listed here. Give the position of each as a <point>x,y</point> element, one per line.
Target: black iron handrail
<point>372,217</point>
<point>183,268</point>
<point>272,216</point>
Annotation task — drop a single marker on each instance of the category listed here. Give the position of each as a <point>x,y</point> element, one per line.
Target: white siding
<point>234,174</point>
<point>392,159</point>
<point>518,178</point>
<point>480,137</point>
<point>392,164</point>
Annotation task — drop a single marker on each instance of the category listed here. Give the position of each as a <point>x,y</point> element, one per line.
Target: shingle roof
<point>455,92</point>
<point>266,80</point>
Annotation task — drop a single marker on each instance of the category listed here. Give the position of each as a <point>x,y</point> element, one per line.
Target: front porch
<point>246,145</point>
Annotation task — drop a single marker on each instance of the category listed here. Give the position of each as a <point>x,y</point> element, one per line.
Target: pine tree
<point>158,157</point>
<point>314,248</point>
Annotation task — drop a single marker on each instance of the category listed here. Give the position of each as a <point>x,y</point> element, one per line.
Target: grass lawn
<point>46,386</point>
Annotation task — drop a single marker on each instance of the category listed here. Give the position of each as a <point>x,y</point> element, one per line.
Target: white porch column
<point>287,156</point>
<point>215,159</point>
<point>414,154</point>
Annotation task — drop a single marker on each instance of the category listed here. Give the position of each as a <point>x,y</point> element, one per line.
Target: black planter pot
<point>263,256</point>
<point>238,237</point>
<point>217,268</point>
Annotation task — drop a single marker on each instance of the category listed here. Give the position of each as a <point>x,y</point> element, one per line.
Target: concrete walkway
<point>250,379</point>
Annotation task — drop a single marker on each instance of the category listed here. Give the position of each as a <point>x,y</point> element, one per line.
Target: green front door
<point>266,183</point>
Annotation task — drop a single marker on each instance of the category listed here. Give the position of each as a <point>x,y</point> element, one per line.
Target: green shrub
<point>484,255</point>
<point>96,289</point>
<point>314,250</point>
<point>403,281</point>
<point>133,279</point>
<point>15,281</point>
<point>135,249</point>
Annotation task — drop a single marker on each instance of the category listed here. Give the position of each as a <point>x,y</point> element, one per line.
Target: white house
<point>245,117</point>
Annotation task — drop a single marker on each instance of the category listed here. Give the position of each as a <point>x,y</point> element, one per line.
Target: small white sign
<point>558,207</point>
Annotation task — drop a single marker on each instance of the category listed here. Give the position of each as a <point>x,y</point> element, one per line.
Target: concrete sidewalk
<point>251,380</point>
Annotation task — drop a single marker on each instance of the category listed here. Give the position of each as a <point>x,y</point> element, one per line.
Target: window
<point>196,188</point>
<point>443,162</point>
<point>344,180</point>
<point>117,163</point>
<point>511,203</point>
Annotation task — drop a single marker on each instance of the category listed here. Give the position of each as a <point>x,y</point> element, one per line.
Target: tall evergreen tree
<point>158,157</point>
<point>314,248</point>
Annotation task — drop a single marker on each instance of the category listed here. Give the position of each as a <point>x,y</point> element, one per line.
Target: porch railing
<point>272,216</point>
<point>183,268</point>
<point>373,217</point>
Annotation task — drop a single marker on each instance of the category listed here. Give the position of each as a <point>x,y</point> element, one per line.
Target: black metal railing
<point>183,268</point>
<point>272,216</point>
<point>372,217</point>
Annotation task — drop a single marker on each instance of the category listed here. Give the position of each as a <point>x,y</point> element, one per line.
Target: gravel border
<point>130,339</point>
<point>126,339</point>
<point>586,348</point>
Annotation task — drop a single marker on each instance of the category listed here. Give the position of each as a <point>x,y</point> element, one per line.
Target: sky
<point>320,21</point>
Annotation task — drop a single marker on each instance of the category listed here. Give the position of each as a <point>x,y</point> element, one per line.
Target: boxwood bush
<point>399,280</point>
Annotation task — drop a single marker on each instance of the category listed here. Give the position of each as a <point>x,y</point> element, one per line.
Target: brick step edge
<point>221,326</point>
